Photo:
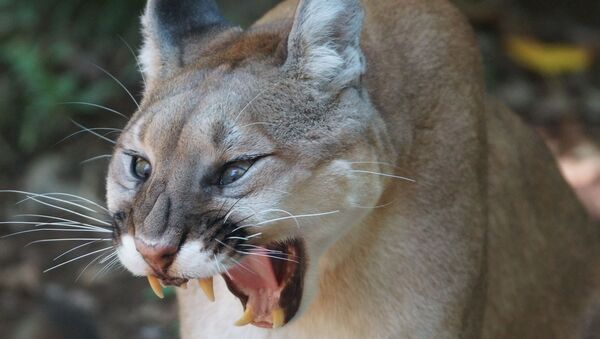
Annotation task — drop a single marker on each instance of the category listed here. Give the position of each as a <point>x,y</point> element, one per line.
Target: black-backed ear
<point>324,43</point>
<point>174,32</point>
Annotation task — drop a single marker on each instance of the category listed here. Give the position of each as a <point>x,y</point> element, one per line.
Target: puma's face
<point>248,160</point>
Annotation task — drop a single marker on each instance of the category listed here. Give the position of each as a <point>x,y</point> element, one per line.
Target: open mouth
<point>268,281</point>
<point>269,284</point>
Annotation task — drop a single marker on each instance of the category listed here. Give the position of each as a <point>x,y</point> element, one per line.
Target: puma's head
<point>251,153</point>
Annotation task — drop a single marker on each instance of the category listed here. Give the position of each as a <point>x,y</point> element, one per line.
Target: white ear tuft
<point>149,56</point>
<point>324,43</point>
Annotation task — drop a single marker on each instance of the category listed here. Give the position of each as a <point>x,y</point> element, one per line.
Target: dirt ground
<point>564,108</point>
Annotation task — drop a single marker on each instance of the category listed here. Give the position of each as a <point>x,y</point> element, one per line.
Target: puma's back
<point>340,171</point>
<point>543,267</point>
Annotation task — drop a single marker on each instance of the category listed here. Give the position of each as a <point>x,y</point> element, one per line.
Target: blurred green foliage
<point>47,52</point>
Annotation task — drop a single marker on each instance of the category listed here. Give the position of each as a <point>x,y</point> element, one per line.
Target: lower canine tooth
<point>206,284</point>
<point>246,318</point>
<point>278,317</point>
<point>155,285</point>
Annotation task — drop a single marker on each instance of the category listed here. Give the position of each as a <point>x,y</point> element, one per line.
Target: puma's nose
<point>159,257</point>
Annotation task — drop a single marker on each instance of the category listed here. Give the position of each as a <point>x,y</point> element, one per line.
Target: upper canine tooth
<point>206,284</point>
<point>155,285</point>
<point>246,318</point>
<point>278,317</point>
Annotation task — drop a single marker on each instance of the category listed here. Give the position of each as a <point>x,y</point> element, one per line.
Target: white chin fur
<point>131,258</point>
<point>193,261</point>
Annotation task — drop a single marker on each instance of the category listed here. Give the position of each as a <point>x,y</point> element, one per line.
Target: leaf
<point>549,59</point>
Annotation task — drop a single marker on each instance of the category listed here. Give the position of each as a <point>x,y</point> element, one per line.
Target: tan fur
<point>488,242</point>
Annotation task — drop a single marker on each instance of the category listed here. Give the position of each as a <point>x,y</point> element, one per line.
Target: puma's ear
<point>174,33</point>
<point>324,43</point>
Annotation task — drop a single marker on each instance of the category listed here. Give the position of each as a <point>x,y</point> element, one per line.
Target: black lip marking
<point>291,296</point>
<point>117,223</point>
<point>170,281</point>
<point>235,291</point>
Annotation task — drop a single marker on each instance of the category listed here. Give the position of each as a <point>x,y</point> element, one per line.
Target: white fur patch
<point>149,56</point>
<point>131,258</point>
<point>327,35</point>
<point>193,261</point>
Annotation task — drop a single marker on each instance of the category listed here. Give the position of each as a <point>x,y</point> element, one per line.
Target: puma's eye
<point>141,168</point>
<point>234,171</point>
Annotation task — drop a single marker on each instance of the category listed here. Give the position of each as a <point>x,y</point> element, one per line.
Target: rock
<point>591,106</point>
<point>551,108</point>
<point>59,317</point>
<point>518,94</point>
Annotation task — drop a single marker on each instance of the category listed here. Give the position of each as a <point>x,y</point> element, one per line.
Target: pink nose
<point>157,256</point>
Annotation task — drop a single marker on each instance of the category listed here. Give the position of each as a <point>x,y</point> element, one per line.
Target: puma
<point>338,171</point>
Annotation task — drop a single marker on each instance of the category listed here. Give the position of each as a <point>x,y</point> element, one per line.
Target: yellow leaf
<point>548,58</point>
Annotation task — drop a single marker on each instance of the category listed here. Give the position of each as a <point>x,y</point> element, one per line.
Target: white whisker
<point>59,194</point>
<point>87,131</point>
<point>221,269</point>
<point>235,209</point>
<point>65,239</point>
<point>112,132</point>
<point>137,61</point>
<point>283,211</point>
<point>266,256</point>
<point>101,270</point>
<point>120,84</point>
<point>253,236</point>
<point>45,196</point>
<point>255,254</point>
<point>72,212</point>
<point>74,249</point>
<point>53,230</point>
<point>252,101</point>
<point>262,248</point>
<point>94,133</point>
<point>60,219</point>
<point>238,238</point>
<point>53,224</point>
<point>286,218</point>
<point>373,207</point>
<point>243,266</point>
<point>384,175</point>
<point>104,156</point>
<point>246,238</point>
<point>108,257</point>
<point>77,258</point>
<point>108,268</point>
<point>88,265</point>
<point>97,106</point>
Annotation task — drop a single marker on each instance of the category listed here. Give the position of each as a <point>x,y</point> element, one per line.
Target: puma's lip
<point>156,284</point>
<point>269,283</point>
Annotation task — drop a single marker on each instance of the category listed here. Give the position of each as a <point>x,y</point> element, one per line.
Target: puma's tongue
<point>255,277</point>
<point>254,272</point>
